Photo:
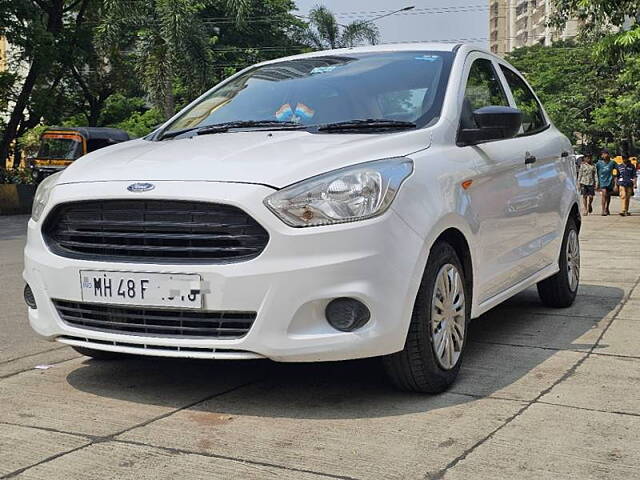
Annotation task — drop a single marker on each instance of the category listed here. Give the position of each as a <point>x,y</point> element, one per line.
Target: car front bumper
<point>377,261</point>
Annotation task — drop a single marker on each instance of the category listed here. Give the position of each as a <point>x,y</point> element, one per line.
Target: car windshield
<point>403,86</point>
<point>60,147</point>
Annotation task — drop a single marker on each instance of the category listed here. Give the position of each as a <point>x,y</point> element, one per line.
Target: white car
<point>328,206</point>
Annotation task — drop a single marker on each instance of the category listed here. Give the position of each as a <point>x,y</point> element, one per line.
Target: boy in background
<point>626,181</point>
<point>605,183</point>
<point>587,181</point>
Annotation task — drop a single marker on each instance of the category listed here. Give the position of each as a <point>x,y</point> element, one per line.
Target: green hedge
<point>17,176</point>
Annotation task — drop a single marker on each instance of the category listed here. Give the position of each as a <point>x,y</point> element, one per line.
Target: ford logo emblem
<point>141,187</point>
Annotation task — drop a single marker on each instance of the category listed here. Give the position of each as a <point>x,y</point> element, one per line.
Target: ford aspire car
<point>362,202</point>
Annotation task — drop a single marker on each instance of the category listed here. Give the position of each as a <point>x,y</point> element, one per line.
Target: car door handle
<point>528,158</point>
<point>564,154</point>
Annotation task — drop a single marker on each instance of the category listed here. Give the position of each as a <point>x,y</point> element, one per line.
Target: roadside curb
<point>16,199</point>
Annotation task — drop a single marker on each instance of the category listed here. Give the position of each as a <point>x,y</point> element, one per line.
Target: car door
<point>548,152</point>
<point>504,195</point>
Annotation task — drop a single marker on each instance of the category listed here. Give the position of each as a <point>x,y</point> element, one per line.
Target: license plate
<point>143,289</point>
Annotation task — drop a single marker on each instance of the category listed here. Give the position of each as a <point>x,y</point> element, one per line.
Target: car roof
<point>386,47</point>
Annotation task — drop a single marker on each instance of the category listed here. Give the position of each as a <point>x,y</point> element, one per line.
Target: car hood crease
<point>272,158</point>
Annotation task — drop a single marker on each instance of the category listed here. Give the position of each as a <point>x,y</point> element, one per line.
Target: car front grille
<point>153,231</point>
<point>155,322</point>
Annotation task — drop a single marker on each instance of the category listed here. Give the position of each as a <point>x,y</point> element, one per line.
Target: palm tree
<point>324,31</point>
<point>169,41</point>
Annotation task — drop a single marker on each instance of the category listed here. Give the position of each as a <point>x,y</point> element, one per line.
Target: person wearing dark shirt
<point>626,181</point>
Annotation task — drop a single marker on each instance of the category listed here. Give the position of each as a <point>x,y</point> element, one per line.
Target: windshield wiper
<point>268,124</point>
<point>174,133</point>
<point>366,124</point>
<point>226,126</point>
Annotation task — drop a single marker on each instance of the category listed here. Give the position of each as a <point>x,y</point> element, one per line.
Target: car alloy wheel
<point>573,260</point>
<point>448,317</point>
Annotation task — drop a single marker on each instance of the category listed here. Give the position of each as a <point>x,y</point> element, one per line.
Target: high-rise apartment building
<point>520,23</point>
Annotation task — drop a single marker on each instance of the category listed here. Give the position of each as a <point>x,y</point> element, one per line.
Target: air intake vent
<point>154,231</point>
<point>155,322</point>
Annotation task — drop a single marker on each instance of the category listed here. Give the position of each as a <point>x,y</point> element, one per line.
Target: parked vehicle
<point>60,146</point>
<point>328,206</point>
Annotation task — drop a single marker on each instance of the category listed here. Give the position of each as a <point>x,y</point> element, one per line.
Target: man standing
<point>587,182</point>
<point>626,180</point>
<point>605,168</point>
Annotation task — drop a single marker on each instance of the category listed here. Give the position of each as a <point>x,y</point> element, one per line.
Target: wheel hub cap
<point>448,317</point>
<point>573,260</point>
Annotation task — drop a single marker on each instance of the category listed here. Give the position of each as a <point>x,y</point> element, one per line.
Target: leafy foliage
<point>19,176</point>
<point>324,31</point>
<point>620,112</point>
<point>45,36</point>
<point>613,23</point>
<point>30,141</point>
<point>140,124</point>
<point>569,83</point>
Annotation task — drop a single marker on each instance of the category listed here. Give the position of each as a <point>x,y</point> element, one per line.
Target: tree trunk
<point>94,113</point>
<point>17,115</point>
<point>17,156</point>
<point>169,106</point>
<point>54,13</point>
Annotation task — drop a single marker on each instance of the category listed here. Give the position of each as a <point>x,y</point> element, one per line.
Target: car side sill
<point>540,275</point>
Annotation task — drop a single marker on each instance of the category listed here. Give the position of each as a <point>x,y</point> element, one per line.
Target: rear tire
<point>424,364</point>
<point>101,355</point>
<point>560,290</point>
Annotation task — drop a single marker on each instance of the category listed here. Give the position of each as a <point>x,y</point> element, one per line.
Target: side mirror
<point>494,123</point>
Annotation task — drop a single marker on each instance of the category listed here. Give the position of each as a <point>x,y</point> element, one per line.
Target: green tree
<point>619,115</point>
<point>570,84</point>
<point>96,73</point>
<point>170,41</point>
<point>138,124</point>
<point>44,35</point>
<point>324,31</point>
<point>269,31</point>
<point>614,23</point>
<point>614,26</point>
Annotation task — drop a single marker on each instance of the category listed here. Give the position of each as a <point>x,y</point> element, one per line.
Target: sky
<point>431,20</point>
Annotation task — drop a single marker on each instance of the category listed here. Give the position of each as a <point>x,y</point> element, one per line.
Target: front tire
<point>101,355</point>
<point>560,290</point>
<point>433,350</point>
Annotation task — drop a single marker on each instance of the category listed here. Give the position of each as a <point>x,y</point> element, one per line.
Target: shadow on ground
<point>506,344</point>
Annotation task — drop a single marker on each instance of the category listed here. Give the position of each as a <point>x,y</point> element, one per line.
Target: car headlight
<point>42,196</point>
<point>349,194</point>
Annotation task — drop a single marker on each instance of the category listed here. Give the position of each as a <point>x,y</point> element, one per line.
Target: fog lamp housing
<point>347,314</point>
<point>29,298</point>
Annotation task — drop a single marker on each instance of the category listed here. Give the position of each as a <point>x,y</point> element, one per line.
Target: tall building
<point>520,23</point>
